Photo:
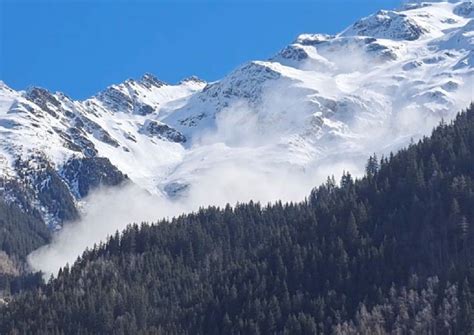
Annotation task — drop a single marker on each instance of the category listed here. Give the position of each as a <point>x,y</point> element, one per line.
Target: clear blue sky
<point>80,47</point>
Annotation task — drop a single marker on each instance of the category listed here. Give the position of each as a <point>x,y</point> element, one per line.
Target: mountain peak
<point>389,25</point>
<point>41,96</point>
<point>312,39</point>
<point>148,80</point>
<point>192,79</point>
<point>4,86</point>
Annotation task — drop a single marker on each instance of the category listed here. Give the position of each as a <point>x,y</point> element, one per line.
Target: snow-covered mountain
<point>321,101</point>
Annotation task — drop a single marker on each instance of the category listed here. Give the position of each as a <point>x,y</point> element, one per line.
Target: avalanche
<point>323,101</point>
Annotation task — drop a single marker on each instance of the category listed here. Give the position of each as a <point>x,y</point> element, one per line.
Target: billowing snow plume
<point>269,130</point>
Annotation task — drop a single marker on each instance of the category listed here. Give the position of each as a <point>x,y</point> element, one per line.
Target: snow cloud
<point>110,209</point>
<point>236,161</point>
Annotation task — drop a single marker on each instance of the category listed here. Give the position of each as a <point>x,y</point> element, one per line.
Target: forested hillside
<point>22,230</point>
<point>391,253</point>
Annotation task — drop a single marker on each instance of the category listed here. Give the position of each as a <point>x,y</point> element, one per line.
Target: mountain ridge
<point>318,100</point>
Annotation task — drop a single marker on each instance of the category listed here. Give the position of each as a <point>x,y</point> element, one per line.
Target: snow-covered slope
<point>40,130</point>
<point>386,79</point>
<point>321,101</point>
